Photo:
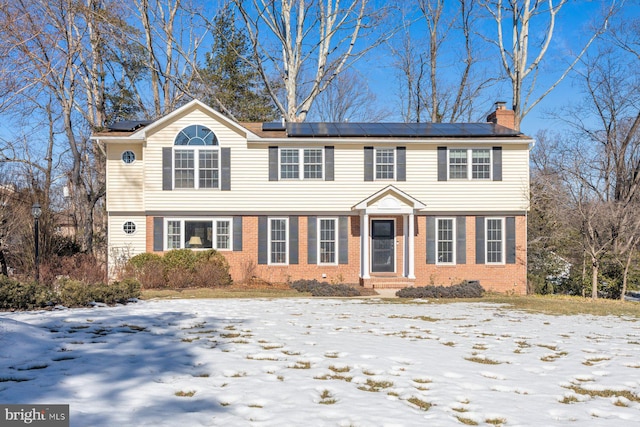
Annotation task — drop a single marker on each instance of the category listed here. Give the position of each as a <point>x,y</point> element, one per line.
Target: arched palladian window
<point>196,158</point>
<point>196,135</point>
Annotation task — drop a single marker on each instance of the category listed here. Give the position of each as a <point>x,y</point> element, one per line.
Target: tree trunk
<point>594,278</point>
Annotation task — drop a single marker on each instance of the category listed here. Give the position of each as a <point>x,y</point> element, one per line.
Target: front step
<point>387,282</point>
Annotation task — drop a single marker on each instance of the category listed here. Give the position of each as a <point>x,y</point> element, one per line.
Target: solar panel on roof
<point>129,125</point>
<point>273,126</point>
<point>397,130</point>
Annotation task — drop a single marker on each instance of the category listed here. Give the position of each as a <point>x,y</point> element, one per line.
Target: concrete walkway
<point>387,292</point>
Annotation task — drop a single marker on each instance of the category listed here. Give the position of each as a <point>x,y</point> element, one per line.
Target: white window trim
<point>214,240</point>
<point>135,157</point>
<point>395,241</point>
<point>454,248</point>
<point>470,164</point>
<point>375,164</point>
<point>336,240</point>
<point>286,227</point>
<point>196,165</point>
<point>300,163</point>
<point>503,243</point>
<point>135,227</point>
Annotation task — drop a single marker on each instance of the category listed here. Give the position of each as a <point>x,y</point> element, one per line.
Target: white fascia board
<point>142,133</point>
<point>373,141</point>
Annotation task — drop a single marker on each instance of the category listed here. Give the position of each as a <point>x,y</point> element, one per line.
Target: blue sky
<point>572,31</point>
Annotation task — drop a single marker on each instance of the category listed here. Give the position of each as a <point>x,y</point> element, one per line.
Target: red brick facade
<point>499,278</point>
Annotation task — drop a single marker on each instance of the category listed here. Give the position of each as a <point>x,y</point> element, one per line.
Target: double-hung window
<point>385,163</point>
<point>470,163</point>
<point>201,233</point>
<point>445,241</point>
<point>278,238</point>
<point>301,163</point>
<point>327,242</point>
<point>495,241</point>
<point>196,158</point>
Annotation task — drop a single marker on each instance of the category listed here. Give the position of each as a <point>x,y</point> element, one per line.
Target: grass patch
<point>553,357</point>
<point>326,398</point>
<point>419,403</point>
<point>483,360</point>
<point>33,367</point>
<point>606,393</point>
<point>301,364</point>
<point>375,386</point>
<point>567,400</point>
<point>461,410</point>
<point>185,393</point>
<point>495,421</point>
<point>230,335</point>
<point>594,360</point>
<point>340,369</point>
<point>467,421</point>
<point>203,293</point>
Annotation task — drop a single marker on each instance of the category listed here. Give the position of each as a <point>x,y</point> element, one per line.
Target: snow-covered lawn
<point>322,362</point>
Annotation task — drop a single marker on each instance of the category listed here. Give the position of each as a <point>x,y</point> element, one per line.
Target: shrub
<point>324,289</point>
<point>466,289</point>
<point>82,267</point>
<point>179,269</point>
<point>73,293</point>
<point>180,259</point>
<point>18,296</point>
<point>140,260</point>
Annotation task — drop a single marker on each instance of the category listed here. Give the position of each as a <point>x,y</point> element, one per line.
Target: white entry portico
<point>377,233</point>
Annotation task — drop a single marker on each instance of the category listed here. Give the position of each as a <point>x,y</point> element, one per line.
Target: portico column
<point>412,247</point>
<point>364,245</point>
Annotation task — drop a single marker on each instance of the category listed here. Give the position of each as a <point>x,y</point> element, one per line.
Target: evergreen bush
<point>466,289</point>
<point>324,289</point>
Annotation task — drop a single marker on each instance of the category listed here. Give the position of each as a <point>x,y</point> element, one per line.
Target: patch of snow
<point>270,362</point>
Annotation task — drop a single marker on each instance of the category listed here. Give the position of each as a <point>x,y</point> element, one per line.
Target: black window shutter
<point>402,163</point>
<point>167,166</point>
<point>497,163</point>
<point>158,233</point>
<point>263,231</point>
<point>368,163</point>
<point>461,240</point>
<point>328,164</point>
<point>511,240</point>
<point>312,242</point>
<point>225,168</point>
<point>480,244</point>
<point>293,240</point>
<point>237,233</point>
<point>273,164</point>
<point>431,240</point>
<point>343,240</point>
<point>442,163</point>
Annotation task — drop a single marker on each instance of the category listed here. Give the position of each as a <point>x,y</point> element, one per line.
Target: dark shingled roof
<point>129,125</point>
<point>397,130</point>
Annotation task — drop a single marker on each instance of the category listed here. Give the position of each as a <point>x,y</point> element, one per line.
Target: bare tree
<point>348,99</point>
<point>440,83</point>
<point>296,39</point>
<point>520,59</point>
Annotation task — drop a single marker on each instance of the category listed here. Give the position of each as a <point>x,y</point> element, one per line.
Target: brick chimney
<point>502,116</point>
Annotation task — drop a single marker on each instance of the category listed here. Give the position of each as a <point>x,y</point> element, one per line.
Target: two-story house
<point>380,204</point>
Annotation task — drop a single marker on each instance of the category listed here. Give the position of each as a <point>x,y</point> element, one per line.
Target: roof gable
<point>186,109</point>
<point>389,200</point>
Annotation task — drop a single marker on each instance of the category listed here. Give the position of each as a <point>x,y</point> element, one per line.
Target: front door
<point>382,245</point>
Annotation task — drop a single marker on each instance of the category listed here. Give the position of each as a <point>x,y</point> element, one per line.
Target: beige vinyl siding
<point>122,244</point>
<point>125,182</point>
<point>251,190</point>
